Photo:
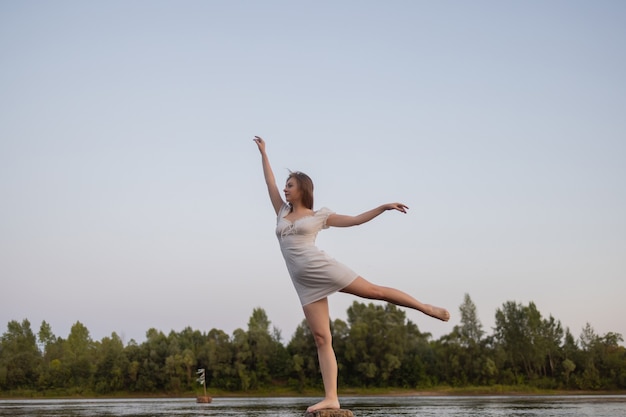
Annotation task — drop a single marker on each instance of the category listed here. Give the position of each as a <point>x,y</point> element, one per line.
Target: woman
<point>315,275</point>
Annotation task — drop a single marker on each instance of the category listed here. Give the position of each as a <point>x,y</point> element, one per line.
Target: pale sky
<point>133,196</point>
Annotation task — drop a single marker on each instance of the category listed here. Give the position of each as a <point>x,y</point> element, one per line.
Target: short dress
<point>314,274</point>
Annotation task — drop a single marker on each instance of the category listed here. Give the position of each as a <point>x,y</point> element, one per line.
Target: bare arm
<point>340,220</point>
<point>277,200</point>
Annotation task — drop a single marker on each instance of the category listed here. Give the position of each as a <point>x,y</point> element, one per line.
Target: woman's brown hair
<point>305,185</point>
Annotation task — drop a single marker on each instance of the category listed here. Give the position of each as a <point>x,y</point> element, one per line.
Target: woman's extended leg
<point>318,319</point>
<point>363,288</point>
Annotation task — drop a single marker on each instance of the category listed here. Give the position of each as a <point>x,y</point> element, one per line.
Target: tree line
<point>376,347</point>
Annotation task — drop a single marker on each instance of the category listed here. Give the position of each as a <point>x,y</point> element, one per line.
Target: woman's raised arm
<point>340,220</point>
<point>277,200</point>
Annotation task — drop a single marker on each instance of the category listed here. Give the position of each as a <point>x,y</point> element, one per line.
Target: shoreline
<point>441,392</point>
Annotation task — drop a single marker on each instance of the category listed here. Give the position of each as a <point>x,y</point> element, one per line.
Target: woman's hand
<point>260,143</point>
<point>396,206</point>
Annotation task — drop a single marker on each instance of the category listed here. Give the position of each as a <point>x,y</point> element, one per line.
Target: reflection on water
<point>562,406</point>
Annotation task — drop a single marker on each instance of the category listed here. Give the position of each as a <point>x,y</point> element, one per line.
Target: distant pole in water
<point>202,380</point>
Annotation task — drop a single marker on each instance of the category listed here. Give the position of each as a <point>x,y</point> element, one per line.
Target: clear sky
<point>133,196</point>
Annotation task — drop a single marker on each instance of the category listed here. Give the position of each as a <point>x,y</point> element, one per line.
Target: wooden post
<point>202,379</point>
<point>330,413</point>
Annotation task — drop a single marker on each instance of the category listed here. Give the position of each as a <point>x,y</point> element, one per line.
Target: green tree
<point>111,365</point>
<point>572,358</point>
<point>217,358</point>
<point>550,340</point>
<point>377,346</point>
<point>377,343</point>
<point>420,366</point>
<point>46,337</point>
<point>191,343</point>
<point>303,358</point>
<point>465,352</point>
<point>134,355</point>
<point>241,357</point>
<point>341,340</point>
<point>149,361</point>
<point>267,354</point>
<point>589,340</point>
<point>612,361</point>
<point>52,373</point>
<point>568,368</point>
<point>470,330</point>
<point>261,347</point>
<point>19,356</point>
<point>532,344</point>
<point>78,355</point>
<point>603,360</point>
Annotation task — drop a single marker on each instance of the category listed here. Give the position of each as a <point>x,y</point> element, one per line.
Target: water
<point>561,406</point>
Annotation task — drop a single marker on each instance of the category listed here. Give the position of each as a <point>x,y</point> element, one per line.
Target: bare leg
<point>363,288</point>
<point>318,319</point>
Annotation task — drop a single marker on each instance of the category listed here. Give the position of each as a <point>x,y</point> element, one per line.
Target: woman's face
<point>292,191</point>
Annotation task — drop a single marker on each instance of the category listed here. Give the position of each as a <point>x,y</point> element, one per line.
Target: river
<point>471,406</point>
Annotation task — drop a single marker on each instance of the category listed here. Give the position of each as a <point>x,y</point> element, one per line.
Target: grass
<point>282,391</point>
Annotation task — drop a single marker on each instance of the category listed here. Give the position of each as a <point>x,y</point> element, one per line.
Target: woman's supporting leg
<point>318,319</point>
<point>363,288</point>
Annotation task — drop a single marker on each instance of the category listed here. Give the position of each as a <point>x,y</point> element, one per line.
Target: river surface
<point>526,406</point>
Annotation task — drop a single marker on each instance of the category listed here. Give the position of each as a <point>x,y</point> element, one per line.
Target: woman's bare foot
<point>324,405</point>
<point>437,312</point>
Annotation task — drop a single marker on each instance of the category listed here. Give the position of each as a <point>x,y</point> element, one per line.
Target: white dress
<point>314,274</point>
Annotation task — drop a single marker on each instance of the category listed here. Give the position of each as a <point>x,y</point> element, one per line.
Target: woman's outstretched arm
<point>340,220</point>
<point>277,200</point>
